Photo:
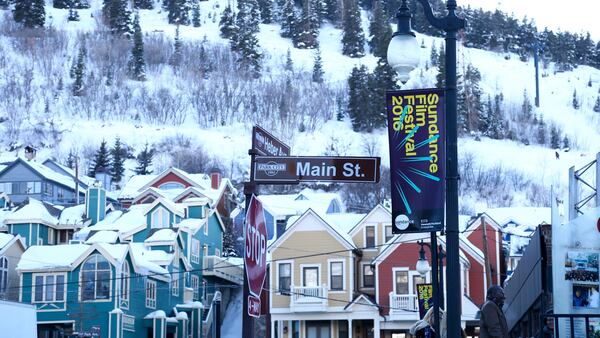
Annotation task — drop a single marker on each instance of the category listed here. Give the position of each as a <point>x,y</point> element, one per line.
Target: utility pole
<point>536,50</point>
<point>486,259</point>
<point>76,180</point>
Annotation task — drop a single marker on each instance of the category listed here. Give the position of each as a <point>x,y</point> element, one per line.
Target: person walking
<point>492,321</point>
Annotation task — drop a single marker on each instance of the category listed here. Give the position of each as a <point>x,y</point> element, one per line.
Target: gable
<point>18,171</point>
<point>377,215</point>
<point>171,177</point>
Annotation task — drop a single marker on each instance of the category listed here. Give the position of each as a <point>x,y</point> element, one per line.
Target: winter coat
<point>492,321</point>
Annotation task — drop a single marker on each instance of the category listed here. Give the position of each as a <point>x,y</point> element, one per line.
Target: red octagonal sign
<point>255,256</point>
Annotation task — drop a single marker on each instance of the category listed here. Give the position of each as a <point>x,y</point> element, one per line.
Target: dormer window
<point>171,185</point>
<point>160,218</point>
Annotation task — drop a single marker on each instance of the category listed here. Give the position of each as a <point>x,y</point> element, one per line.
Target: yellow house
<point>313,290</point>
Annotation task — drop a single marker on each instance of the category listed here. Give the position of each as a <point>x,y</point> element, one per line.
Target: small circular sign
<point>402,222</point>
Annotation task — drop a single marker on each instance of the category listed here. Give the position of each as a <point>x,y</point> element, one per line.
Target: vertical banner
<point>425,298</point>
<point>417,159</point>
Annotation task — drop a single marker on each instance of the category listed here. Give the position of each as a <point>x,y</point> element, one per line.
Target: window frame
<point>96,279</point>
<point>408,280</point>
<point>6,187</point>
<point>125,285</point>
<point>364,275</point>
<point>304,267</point>
<point>170,185</point>
<point>281,291</point>
<point>4,266</point>
<point>44,285</point>
<point>385,237</point>
<point>150,294</point>
<point>330,263</point>
<point>195,251</point>
<point>195,286</point>
<point>157,218</point>
<point>367,246</point>
<point>175,282</point>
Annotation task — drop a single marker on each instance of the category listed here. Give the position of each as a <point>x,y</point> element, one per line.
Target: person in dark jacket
<point>492,321</point>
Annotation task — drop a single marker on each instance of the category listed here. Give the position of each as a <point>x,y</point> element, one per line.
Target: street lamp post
<point>450,24</point>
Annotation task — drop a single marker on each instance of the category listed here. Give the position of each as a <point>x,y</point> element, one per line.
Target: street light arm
<point>448,23</point>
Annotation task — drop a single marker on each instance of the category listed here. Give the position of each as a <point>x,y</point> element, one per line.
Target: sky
<point>573,15</point>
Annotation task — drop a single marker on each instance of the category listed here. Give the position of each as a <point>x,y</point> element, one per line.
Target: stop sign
<point>255,256</point>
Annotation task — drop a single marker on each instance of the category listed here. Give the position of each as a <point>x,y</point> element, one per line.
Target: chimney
<point>215,178</point>
<point>95,203</point>
<point>30,152</point>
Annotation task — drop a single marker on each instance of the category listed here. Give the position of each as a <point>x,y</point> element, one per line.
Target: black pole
<point>249,190</point>
<point>453,289</point>
<point>441,278</point>
<point>537,75</point>
<point>434,284</point>
<point>218,316</point>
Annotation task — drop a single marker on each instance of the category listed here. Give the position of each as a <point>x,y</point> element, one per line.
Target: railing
<point>220,267</point>
<point>571,325</point>
<point>405,302</point>
<point>308,297</point>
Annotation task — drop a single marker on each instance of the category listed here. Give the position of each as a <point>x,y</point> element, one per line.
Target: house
<point>111,290</point>
<point>177,185</point>
<point>23,179</point>
<point>11,249</point>
<point>279,208</point>
<point>317,293</point>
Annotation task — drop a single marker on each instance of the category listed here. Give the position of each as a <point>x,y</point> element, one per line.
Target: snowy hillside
<point>43,112</point>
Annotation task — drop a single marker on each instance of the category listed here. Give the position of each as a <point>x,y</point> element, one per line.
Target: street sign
<point>266,144</point>
<point>417,159</point>
<point>294,169</point>
<point>255,256</point>
<point>253,306</point>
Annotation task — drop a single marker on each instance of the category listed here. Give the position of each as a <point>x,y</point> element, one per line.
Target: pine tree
<point>118,155</point>
<point>119,17</point>
<point>307,29</point>
<point>358,97</point>
<point>229,241</point>
<point>137,63</point>
<point>380,31</point>
<point>317,73</point>
<point>245,41</point>
<point>178,12</point>
<point>73,15</point>
<point>441,75</point>
<point>70,162</point>
<point>176,57</point>
<point>79,71</point>
<point>575,100</point>
<point>566,143</point>
<point>541,134</point>
<point>143,4</point>
<point>227,23</point>
<point>62,4</point>
<point>101,160</point>
<point>289,63</point>
<point>289,21</point>
<point>526,108</point>
<point>31,13</point>
<point>597,105</point>
<point>382,79</point>
<point>495,120</point>
<point>554,137</point>
<point>434,57</point>
<point>353,40</point>
<point>144,161</point>
<point>266,11</point>
<point>196,14</point>
<point>332,12</point>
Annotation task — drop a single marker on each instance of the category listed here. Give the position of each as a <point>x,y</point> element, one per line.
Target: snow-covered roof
<point>104,236</point>
<point>126,222</point>
<point>531,216</point>
<point>145,260</point>
<point>72,215</point>
<point>133,187</point>
<point>162,235</point>
<point>51,256</point>
<point>49,174</point>
<point>33,210</point>
<point>82,178</point>
<point>192,224</point>
<point>5,239</point>
<point>156,314</point>
<point>296,204</point>
<point>344,222</point>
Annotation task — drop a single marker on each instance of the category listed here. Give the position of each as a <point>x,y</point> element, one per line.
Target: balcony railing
<point>308,298</point>
<point>222,268</point>
<point>405,302</point>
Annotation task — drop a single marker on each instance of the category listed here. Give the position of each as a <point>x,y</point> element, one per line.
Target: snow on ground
<point>232,321</point>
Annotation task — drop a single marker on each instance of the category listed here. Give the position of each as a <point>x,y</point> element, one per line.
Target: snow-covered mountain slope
<point>83,130</point>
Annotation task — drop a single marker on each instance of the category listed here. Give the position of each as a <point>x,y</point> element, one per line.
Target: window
<point>285,277</point>
<point>47,189</point>
<point>196,286</point>
<point>336,272</point>
<point>6,187</point>
<point>50,236</point>
<point>370,236</point>
<point>401,282</point>
<point>34,187</point>
<point>175,282</point>
<point>195,250</point>
<point>60,193</point>
<point>160,218</point>
<point>310,276</point>
<point>3,274</point>
<point>417,279</point>
<point>388,233</point>
<point>49,288</point>
<point>151,294</point>
<point>343,329</point>
<point>125,274</point>
<point>171,185</point>
<point>95,278</point>
<point>368,276</point>
<point>204,250</point>
<point>19,188</point>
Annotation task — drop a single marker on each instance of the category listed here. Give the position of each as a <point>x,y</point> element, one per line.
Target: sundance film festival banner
<point>417,159</point>
<point>425,298</point>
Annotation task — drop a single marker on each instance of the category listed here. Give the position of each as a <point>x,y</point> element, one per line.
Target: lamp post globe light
<point>422,265</point>
<point>397,49</point>
<point>403,50</point>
